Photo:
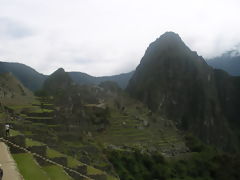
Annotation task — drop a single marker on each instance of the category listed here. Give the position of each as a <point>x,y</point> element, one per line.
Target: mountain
<point>12,92</point>
<point>104,133</point>
<point>27,75</point>
<point>229,62</point>
<point>34,80</point>
<point>57,81</point>
<point>176,82</point>
<point>83,78</point>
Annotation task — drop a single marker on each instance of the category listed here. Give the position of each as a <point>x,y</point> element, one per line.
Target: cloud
<point>110,36</point>
<point>13,30</point>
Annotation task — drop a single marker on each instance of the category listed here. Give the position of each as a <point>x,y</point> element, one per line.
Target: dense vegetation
<point>202,163</point>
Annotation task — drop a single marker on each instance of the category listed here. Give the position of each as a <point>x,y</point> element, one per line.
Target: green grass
<point>52,153</point>
<point>30,142</point>
<point>20,107</point>
<point>2,115</point>
<point>35,117</point>
<point>92,170</point>
<point>42,111</point>
<point>72,163</point>
<point>111,177</point>
<point>56,173</point>
<point>29,168</point>
<point>48,104</point>
<point>23,115</point>
<point>14,132</point>
<point>27,133</point>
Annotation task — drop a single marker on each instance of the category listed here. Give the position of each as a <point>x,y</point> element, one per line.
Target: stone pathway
<point>10,171</point>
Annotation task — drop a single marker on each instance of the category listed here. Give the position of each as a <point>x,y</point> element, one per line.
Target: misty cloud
<point>110,36</point>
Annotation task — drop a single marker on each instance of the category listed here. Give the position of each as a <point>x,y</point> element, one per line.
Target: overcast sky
<point>106,37</point>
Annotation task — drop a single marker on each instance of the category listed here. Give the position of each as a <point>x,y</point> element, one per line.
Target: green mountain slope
<point>27,75</point>
<point>12,92</point>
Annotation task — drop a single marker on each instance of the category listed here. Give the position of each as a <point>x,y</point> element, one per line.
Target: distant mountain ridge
<point>229,62</point>
<point>83,78</point>
<point>34,80</point>
<point>29,77</point>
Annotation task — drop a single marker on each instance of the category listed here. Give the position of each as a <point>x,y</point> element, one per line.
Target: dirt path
<point>10,171</point>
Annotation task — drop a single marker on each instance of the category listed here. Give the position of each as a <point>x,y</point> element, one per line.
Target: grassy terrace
<point>30,142</point>
<point>31,108</point>
<point>2,115</point>
<point>92,170</point>
<point>39,110</point>
<point>29,168</point>
<point>21,107</point>
<point>52,153</point>
<point>14,133</point>
<point>52,172</point>
<point>56,173</point>
<point>38,117</point>
<point>72,163</point>
<point>120,133</point>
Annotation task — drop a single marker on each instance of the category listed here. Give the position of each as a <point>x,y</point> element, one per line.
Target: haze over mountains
<point>228,61</point>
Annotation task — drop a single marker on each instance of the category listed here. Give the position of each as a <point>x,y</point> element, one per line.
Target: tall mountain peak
<point>170,37</point>
<point>176,82</point>
<point>167,41</point>
<point>59,71</point>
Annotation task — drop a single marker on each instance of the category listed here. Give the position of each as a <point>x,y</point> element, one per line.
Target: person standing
<point>7,128</point>
<point>1,172</point>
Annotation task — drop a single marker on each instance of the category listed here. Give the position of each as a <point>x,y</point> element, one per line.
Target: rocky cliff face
<point>229,95</point>
<point>175,81</point>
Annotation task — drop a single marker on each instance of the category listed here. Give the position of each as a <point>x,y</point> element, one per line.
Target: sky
<point>107,37</point>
